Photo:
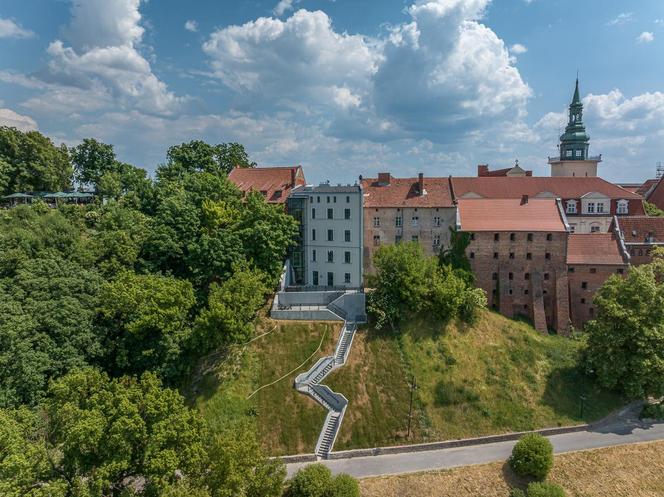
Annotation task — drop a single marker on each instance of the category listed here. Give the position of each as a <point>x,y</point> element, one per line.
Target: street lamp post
<point>413,387</point>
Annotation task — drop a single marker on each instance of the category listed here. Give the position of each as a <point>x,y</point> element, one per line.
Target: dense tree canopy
<point>409,283</point>
<point>626,341</point>
<point>29,161</point>
<point>198,156</point>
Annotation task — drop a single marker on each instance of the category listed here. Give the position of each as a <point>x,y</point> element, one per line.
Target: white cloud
<point>10,118</point>
<point>301,58</point>
<point>283,6</point>
<point>518,49</point>
<point>620,19</point>
<point>191,25</point>
<point>9,29</point>
<point>102,62</point>
<point>645,37</point>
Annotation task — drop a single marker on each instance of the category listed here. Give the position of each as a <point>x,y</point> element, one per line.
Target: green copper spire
<point>575,141</point>
<point>576,99</point>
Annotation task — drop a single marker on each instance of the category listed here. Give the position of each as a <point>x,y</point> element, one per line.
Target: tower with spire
<point>573,158</point>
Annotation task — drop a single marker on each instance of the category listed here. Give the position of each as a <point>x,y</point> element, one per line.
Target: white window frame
<point>376,222</point>
<point>398,221</point>
<point>590,207</point>
<point>570,207</point>
<point>600,207</point>
<point>436,221</point>
<point>436,240</point>
<point>623,207</point>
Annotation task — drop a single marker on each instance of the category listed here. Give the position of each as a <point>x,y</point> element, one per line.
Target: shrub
<point>344,485</point>
<point>654,411</point>
<point>545,489</point>
<point>517,492</point>
<point>314,480</point>
<point>532,456</point>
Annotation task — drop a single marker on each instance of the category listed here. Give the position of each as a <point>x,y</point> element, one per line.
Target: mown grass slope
<point>287,421</point>
<point>495,376</point>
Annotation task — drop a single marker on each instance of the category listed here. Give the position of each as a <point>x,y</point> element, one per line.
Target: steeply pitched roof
<point>274,182</point>
<point>638,229</point>
<point>484,214</point>
<point>404,192</point>
<point>646,187</point>
<point>656,194</point>
<point>513,187</point>
<point>594,248</point>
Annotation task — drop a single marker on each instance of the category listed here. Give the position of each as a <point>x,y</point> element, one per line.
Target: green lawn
<point>287,421</point>
<point>493,377</point>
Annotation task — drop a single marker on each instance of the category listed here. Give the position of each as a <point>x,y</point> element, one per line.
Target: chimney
<point>482,170</point>
<point>293,172</point>
<point>420,183</point>
<point>524,199</point>
<point>384,179</point>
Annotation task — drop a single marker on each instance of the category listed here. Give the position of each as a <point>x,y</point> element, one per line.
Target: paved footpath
<point>619,433</point>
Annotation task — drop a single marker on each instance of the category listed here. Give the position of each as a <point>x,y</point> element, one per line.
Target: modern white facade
<point>329,251</point>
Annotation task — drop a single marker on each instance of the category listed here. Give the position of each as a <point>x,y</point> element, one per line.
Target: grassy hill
<point>496,376</point>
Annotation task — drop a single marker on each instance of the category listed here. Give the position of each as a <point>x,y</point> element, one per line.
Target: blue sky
<point>343,87</point>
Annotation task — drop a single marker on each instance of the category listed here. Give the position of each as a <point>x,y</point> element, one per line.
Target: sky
<point>342,87</point>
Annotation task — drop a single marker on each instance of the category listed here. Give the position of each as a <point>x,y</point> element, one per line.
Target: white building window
<point>572,228</point>
<point>577,153</point>
<point>568,153</point>
<point>414,221</point>
<point>594,229</point>
<point>600,208</point>
<point>571,207</point>
<point>376,221</point>
<point>591,208</point>
<point>623,207</point>
<point>436,221</point>
<point>436,240</point>
<point>398,221</point>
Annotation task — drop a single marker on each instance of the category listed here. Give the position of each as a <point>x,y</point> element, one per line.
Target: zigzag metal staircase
<point>309,383</point>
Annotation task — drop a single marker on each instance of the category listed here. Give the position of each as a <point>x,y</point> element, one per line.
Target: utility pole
<point>413,387</point>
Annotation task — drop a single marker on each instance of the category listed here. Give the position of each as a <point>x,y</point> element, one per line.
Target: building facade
<point>640,234</point>
<point>573,158</point>
<point>406,209</point>
<point>517,252</point>
<point>589,203</point>
<point>329,248</point>
<point>591,260</point>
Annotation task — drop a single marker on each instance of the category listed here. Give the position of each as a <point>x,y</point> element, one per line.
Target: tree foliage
<point>545,489</point>
<point>29,161</point>
<point>409,283</point>
<point>625,346</point>
<point>652,210</point>
<point>94,436</point>
<point>198,156</point>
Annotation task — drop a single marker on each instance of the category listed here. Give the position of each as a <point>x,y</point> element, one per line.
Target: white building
<point>329,250</point>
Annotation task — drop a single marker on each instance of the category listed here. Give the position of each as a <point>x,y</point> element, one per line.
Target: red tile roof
<point>646,187</point>
<point>636,229</point>
<point>563,187</point>
<point>656,194</point>
<point>274,182</point>
<point>485,214</point>
<point>404,192</point>
<point>594,248</point>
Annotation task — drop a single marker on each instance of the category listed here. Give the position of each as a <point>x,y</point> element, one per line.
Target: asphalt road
<point>615,434</point>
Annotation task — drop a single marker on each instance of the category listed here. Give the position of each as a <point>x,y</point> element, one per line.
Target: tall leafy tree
<point>146,321</point>
<point>625,345</point>
<point>198,156</point>
<point>47,312</point>
<point>29,161</point>
<point>95,436</point>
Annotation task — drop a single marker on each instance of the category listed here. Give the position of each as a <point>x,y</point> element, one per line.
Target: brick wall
<point>388,231</point>
<point>519,277</point>
<point>584,281</point>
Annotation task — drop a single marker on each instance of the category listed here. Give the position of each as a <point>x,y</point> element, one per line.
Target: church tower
<point>574,143</point>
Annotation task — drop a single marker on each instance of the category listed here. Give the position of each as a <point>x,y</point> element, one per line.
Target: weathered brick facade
<point>523,273</point>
